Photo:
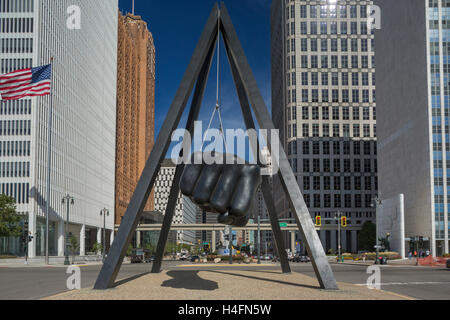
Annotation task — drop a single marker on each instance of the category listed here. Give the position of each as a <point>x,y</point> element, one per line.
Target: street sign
<point>283,225</point>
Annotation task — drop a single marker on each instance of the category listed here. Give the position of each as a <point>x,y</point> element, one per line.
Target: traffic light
<point>318,221</point>
<point>344,221</point>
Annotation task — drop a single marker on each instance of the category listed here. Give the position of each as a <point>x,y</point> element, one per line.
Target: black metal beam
<point>265,186</point>
<point>129,223</point>
<point>175,189</point>
<point>319,260</point>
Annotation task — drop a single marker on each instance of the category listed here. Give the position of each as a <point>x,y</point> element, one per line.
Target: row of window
<point>338,147</point>
<point>10,65</point>
<point>332,27</point>
<point>328,11</point>
<point>334,45</point>
<point>16,25</point>
<point>312,95</point>
<point>325,165</point>
<point>434,3</point>
<point>15,127</point>
<point>313,113</point>
<point>17,45</point>
<point>15,148</point>
<point>16,6</point>
<point>314,130</point>
<point>312,62</point>
<point>312,78</point>
<point>19,191</point>
<point>16,107</point>
<point>14,169</point>
<point>339,201</point>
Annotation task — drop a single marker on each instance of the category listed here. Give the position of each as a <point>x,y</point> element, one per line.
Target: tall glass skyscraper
<point>413,54</point>
<point>323,100</point>
<point>84,119</point>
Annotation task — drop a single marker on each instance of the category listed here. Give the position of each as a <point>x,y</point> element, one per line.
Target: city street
<point>39,282</point>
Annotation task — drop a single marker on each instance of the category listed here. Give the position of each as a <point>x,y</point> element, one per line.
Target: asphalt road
<point>38,282</point>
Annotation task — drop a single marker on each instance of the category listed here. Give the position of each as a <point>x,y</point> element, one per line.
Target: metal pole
<point>376,237</point>
<point>339,235</point>
<point>258,238</point>
<point>104,234</point>
<point>49,162</point>
<point>231,245</point>
<point>66,237</point>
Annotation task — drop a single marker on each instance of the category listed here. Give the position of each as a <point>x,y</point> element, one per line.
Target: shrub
<point>388,255</point>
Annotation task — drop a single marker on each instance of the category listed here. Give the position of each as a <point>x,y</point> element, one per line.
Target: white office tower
<point>185,210</point>
<point>81,35</point>
<point>414,117</point>
<point>323,102</point>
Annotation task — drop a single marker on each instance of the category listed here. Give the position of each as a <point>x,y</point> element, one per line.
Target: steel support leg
<point>319,260</point>
<point>129,223</point>
<point>265,186</point>
<point>175,189</point>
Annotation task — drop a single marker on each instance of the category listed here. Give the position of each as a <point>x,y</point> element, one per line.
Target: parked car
<point>193,258</point>
<point>183,257</point>
<point>302,258</point>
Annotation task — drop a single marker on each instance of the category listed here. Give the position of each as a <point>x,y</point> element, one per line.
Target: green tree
<point>73,247</point>
<point>367,236</point>
<point>9,220</point>
<point>97,248</point>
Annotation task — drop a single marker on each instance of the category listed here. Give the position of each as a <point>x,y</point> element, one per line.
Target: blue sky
<point>176,27</point>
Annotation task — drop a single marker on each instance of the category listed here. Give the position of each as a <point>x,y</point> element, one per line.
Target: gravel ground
<point>226,285</point>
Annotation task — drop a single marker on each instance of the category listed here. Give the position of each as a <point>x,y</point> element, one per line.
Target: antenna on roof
<point>132,10</point>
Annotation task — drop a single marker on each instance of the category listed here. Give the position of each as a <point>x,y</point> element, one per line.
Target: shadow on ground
<point>265,279</point>
<point>123,281</point>
<point>189,280</point>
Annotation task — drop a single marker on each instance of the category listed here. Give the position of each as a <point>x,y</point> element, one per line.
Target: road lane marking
<point>403,283</point>
<point>226,265</point>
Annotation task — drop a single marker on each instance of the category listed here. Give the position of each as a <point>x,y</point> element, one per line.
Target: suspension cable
<point>218,96</point>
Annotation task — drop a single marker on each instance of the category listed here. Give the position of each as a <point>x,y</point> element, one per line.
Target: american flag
<point>29,82</point>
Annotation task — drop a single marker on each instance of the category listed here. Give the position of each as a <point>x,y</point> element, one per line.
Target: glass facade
<point>438,16</point>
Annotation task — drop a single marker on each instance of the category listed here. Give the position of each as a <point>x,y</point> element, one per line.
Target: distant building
<point>84,121</point>
<point>185,211</point>
<point>323,102</point>
<point>135,108</point>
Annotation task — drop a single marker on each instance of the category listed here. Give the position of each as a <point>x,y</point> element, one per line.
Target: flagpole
<point>49,163</point>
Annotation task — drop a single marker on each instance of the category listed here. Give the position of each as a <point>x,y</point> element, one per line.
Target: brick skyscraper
<point>135,107</point>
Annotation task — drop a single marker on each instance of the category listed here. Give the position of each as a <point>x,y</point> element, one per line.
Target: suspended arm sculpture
<point>226,189</point>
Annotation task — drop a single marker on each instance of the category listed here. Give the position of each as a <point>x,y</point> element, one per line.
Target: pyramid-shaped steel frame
<point>250,99</point>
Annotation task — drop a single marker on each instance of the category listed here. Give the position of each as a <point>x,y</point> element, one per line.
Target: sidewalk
<point>39,262</point>
<point>226,285</point>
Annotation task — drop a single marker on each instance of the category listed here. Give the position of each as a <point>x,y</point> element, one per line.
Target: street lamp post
<point>377,202</point>
<point>231,245</point>
<point>258,238</point>
<point>338,218</point>
<point>104,212</point>
<point>68,200</point>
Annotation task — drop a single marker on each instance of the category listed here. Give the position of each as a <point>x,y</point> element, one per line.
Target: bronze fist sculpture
<point>226,189</point>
